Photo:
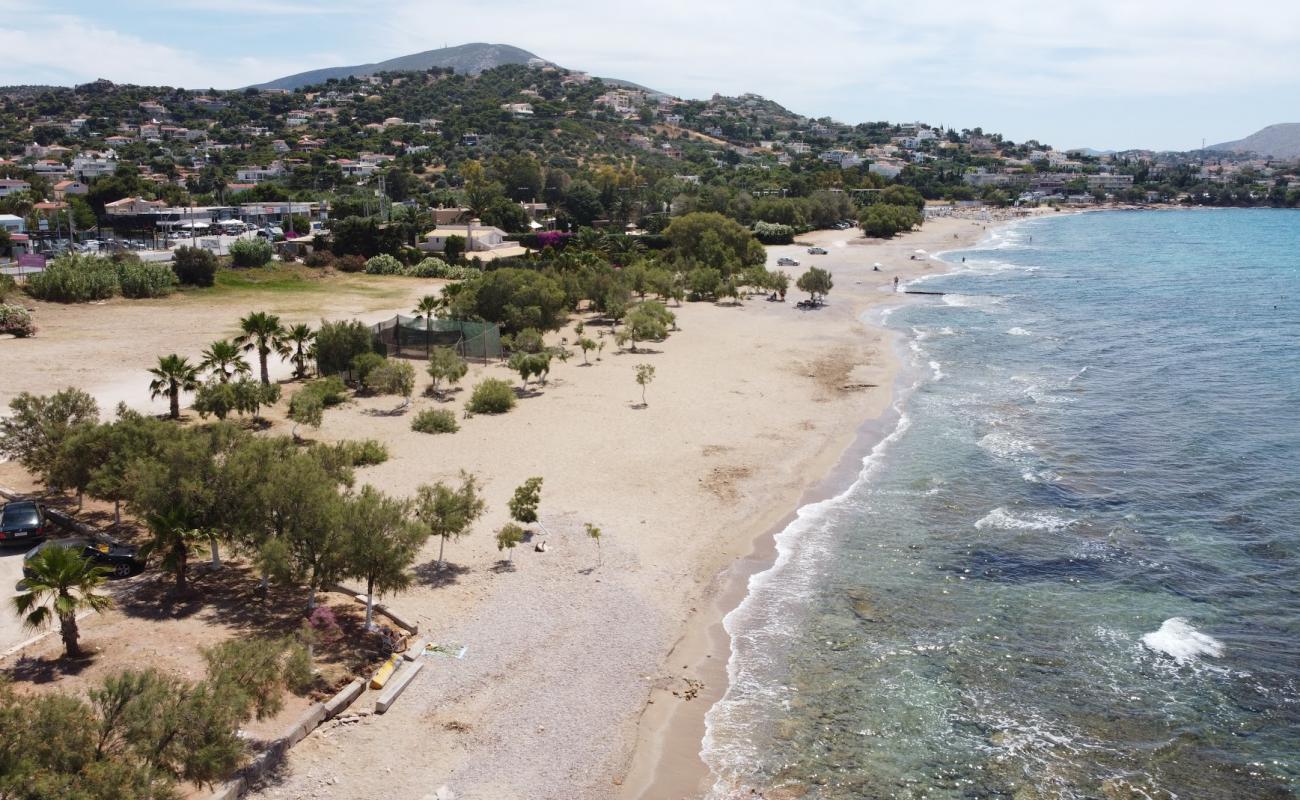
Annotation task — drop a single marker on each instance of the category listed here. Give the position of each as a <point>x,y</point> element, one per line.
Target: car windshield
<point>21,517</point>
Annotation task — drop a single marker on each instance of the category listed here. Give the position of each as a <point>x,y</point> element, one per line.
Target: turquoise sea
<point>1073,568</point>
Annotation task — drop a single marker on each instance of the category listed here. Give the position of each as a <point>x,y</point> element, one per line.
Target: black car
<point>22,521</point>
<point>122,560</point>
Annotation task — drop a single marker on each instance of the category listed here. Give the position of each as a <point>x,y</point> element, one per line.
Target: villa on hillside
<point>477,237</point>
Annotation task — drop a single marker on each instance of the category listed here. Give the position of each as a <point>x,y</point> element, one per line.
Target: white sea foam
<point>1005,444</point>
<point>1018,331</point>
<point>1180,641</point>
<point>770,613</point>
<point>937,369</point>
<point>1001,519</point>
<point>976,301</point>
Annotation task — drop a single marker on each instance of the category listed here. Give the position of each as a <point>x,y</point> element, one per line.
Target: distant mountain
<point>1275,141</point>
<point>467,58</point>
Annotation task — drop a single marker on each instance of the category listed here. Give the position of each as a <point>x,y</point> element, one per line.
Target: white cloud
<point>853,59</point>
<point>66,49</point>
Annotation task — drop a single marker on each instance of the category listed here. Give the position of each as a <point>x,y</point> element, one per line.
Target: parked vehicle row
<point>23,522</point>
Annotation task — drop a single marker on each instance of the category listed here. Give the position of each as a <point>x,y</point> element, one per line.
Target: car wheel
<point>122,570</point>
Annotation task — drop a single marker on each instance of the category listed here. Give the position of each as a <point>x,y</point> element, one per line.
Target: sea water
<point>1073,569</point>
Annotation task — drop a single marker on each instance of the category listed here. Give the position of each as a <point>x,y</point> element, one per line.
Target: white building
<point>10,186</point>
<point>477,237</point>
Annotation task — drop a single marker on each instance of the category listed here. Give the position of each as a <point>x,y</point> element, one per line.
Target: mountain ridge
<point>1281,140</point>
<point>472,59</point>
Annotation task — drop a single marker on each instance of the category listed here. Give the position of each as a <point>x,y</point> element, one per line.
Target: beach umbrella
<point>877,264</point>
<point>920,252</point>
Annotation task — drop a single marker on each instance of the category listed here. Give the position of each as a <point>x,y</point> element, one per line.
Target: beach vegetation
<point>262,332</point>
<point>382,542</point>
<point>339,343</point>
<point>446,365</point>
<point>223,360</point>
<point>508,538</point>
<point>361,452</point>
<point>816,282</point>
<point>491,396</point>
<point>709,239</point>
<point>885,220</point>
<point>435,420</point>
<point>513,298</point>
<point>365,363</point>
<point>527,497</point>
<point>251,252</point>
<point>300,340</point>
<point>595,535</point>
<point>645,375</point>
<point>586,345</point>
<point>60,584</point>
<point>447,512</point>
<point>531,365</point>
<point>173,375</point>
<point>194,266</point>
<point>37,427</point>
<point>16,321</point>
<point>394,376</point>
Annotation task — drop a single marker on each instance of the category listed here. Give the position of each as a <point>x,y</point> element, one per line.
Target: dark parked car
<point>122,560</point>
<point>22,521</point>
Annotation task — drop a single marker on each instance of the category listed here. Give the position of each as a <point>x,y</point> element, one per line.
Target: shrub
<point>75,279</point>
<point>350,263</point>
<point>252,252</point>
<point>492,396</point>
<point>384,264</point>
<point>137,279</point>
<point>773,233</point>
<point>7,287</point>
<point>365,453</point>
<point>16,320</point>
<point>435,420</point>
<point>320,259</point>
<point>337,343</point>
<point>194,266</point>
<point>437,268</point>
<point>364,364</point>
<point>331,390</point>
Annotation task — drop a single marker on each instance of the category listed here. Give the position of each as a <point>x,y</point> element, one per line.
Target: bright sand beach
<point>575,675</point>
<point>578,666</point>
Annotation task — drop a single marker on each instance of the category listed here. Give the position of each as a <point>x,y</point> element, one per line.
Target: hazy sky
<point>1108,73</point>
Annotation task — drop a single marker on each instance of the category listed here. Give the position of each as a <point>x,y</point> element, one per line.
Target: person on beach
<point>895,283</point>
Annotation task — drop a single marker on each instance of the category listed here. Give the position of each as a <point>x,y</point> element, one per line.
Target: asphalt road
<point>11,571</point>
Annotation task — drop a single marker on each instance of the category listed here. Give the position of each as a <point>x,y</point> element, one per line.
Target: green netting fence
<point>415,337</point>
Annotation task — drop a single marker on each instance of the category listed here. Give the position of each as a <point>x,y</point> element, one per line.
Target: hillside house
<point>10,186</point>
<point>478,237</point>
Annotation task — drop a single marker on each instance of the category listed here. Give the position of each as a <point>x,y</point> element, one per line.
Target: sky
<point>1110,74</point>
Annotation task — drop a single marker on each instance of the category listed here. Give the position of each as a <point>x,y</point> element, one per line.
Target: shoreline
<point>667,759</point>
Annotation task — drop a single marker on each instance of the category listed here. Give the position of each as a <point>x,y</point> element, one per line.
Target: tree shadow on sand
<point>430,575</point>
<point>503,565</point>
<point>47,670</point>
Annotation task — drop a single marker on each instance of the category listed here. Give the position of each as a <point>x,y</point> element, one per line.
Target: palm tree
<point>223,359</point>
<point>623,249</point>
<point>427,307</point>
<point>61,584</point>
<point>173,375</point>
<point>173,534</point>
<point>301,342</point>
<point>262,332</point>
